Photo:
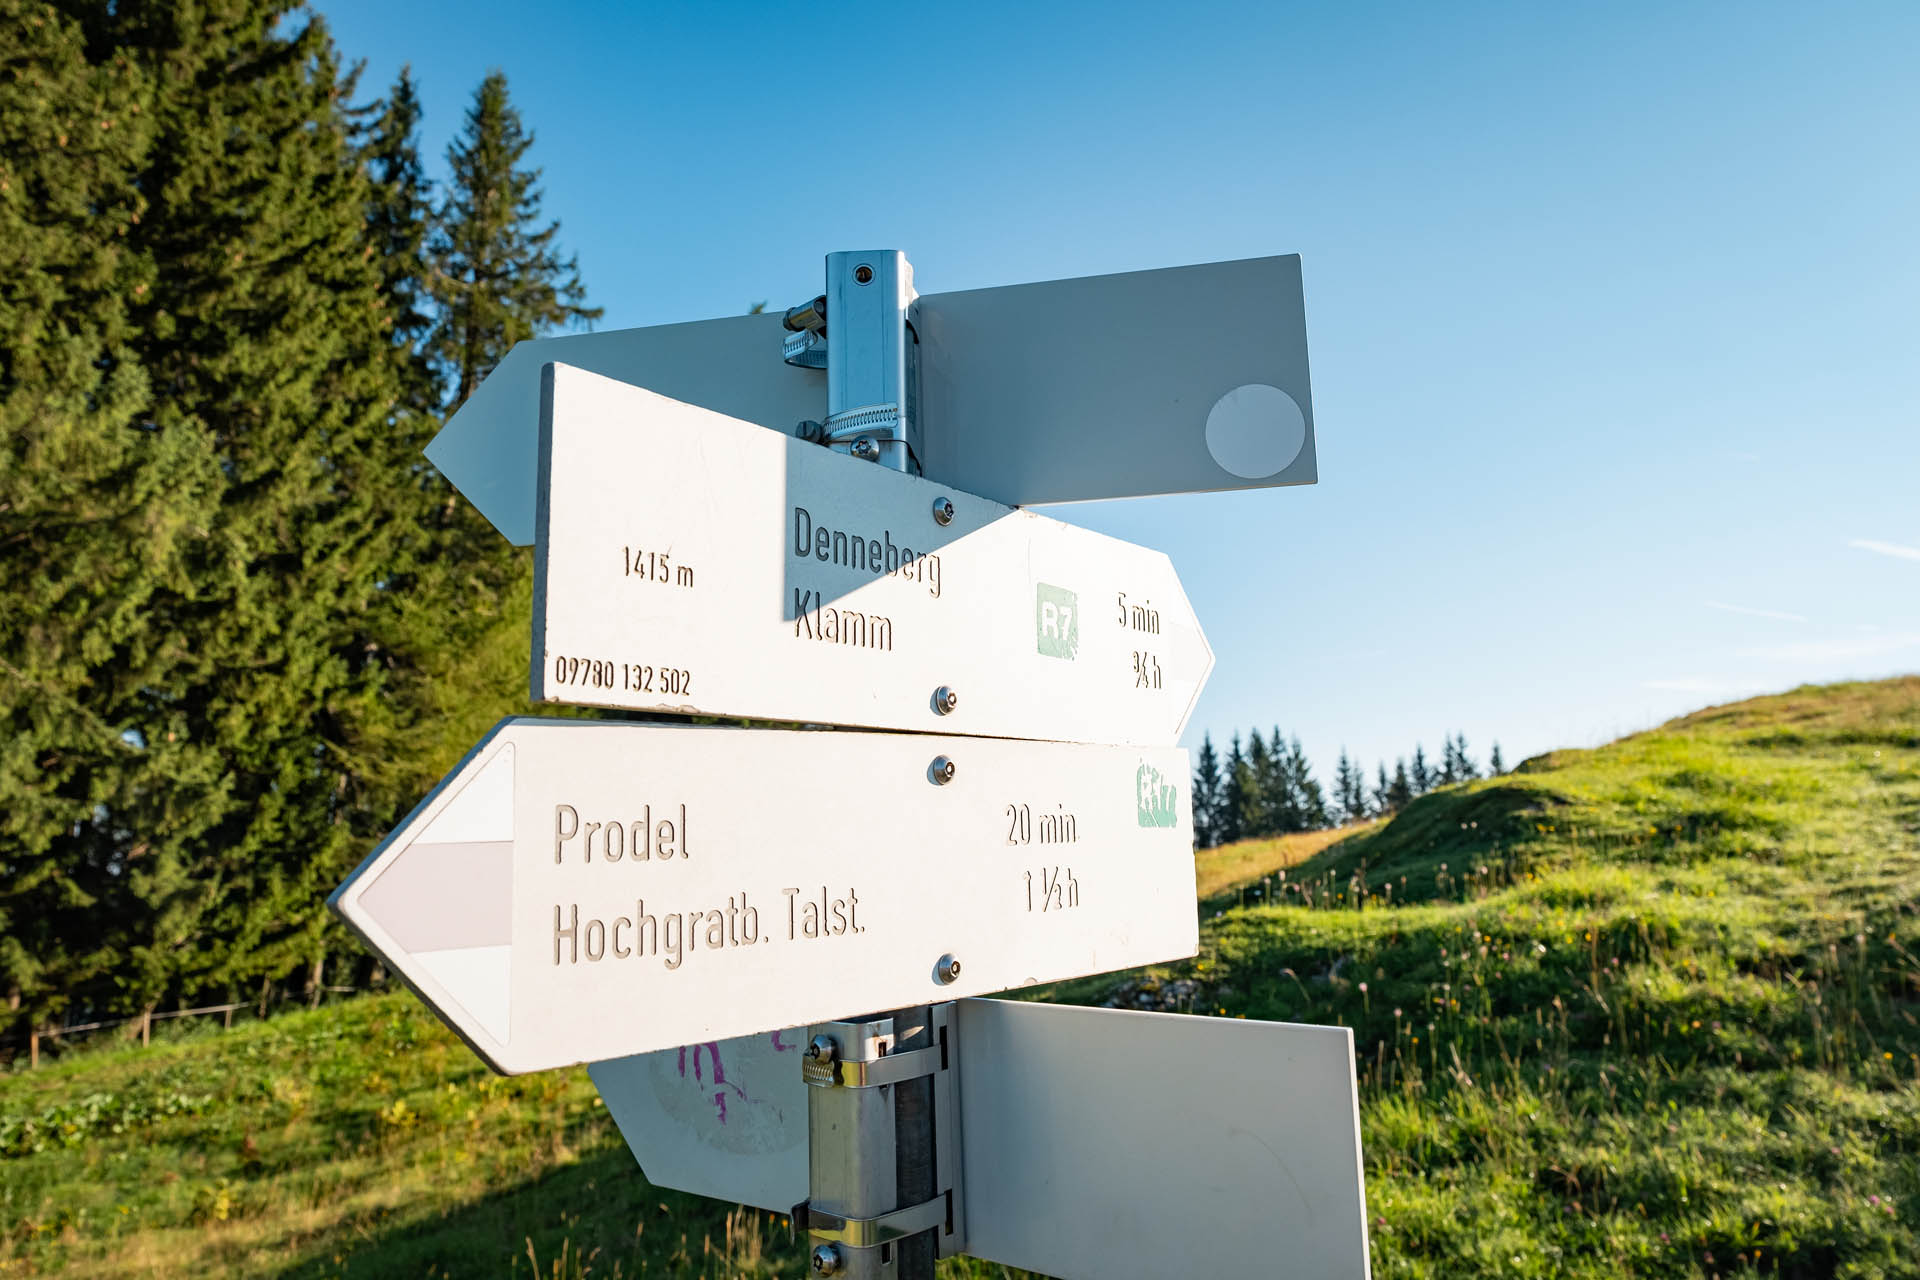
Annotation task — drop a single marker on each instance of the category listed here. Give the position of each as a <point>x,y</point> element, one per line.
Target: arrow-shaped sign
<point>1181,380</point>
<point>578,890</point>
<point>691,562</point>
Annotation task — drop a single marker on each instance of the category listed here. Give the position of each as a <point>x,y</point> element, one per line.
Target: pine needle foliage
<point>246,624</point>
<point>98,514</point>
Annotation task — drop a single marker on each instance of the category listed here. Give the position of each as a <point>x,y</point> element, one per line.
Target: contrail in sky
<point>1886,548</point>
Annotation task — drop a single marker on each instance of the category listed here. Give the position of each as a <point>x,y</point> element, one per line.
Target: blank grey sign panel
<point>1182,380</point>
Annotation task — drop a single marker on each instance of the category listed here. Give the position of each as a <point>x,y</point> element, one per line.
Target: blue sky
<point>1612,309</point>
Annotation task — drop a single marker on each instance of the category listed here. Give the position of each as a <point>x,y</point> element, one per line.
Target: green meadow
<point>1644,1010</point>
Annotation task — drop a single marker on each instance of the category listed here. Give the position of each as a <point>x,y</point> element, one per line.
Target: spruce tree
<point>1349,789</point>
<point>498,276</point>
<point>1257,792</point>
<point>455,612</point>
<point>1382,792</point>
<point>1283,797</point>
<point>1400,791</point>
<point>1466,769</point>
<point>98,512</point>
<point>267,334</point>
<point>250,627</point>
<point>1309,801</point>
<point>1420,776</point>
<point>1233,794</point>
<point>399,219</point>
<point>1206,795</point>
<point>220,668</point>
<point>1495,766</point>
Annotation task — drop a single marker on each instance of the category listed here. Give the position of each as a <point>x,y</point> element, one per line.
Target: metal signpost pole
<point>884,1173</point>
<point>865,322</point>
<point>874,1199</point>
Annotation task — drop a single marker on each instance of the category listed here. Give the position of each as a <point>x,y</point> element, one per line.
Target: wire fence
<point>61,1037</point>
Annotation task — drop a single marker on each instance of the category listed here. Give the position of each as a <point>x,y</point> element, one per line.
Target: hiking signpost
<point>762,939</point>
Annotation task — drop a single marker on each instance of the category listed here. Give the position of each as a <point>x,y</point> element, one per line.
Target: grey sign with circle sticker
<point>1178,380</point>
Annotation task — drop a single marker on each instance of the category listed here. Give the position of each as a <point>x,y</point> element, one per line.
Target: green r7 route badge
<point>1155,797</point>
<point>1056,621</point>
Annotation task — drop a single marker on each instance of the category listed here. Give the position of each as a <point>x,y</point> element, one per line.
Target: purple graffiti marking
<point>712,1049</point>
<point>782,1048</point>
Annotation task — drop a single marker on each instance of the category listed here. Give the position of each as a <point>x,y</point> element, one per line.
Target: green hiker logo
<point>1155,797</point>
<point>1056,621</point>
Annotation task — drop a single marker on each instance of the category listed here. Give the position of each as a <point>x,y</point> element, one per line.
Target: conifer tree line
<point>1266,787</point>
<point>243,625</point>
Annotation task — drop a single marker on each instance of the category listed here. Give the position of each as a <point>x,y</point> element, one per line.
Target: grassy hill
<point>1243,873</point>
<point>1643,1010</point>
<point>356,1140</point>
<point>1648,1009</point>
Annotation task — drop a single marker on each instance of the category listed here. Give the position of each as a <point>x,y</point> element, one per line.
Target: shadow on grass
<point>598,1217</point>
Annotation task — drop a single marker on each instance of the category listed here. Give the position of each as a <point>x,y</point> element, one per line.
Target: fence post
<point>146,1027</point>
<point>33,1047</point>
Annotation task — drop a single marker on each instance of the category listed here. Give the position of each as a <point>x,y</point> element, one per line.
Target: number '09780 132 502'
<point>634,677</point>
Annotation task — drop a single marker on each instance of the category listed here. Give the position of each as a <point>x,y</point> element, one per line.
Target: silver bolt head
<point>823,1049</point>
<point>947,969</point>
<point>945,699</point>
<point>943,510</point>
<point>864,447</point>
<point>943,770</point>
<point>825,1260</point>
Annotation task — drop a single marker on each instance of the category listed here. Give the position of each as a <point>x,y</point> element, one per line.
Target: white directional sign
<point>1087,1135</point>
<point>579,890</point>
<point>1182,380</point>
<point>691,562</point>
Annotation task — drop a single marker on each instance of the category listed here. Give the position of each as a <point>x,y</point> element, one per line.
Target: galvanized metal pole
<point>913,1143</point>
<point>872,358</point>
<point>850,1144</point>
<point>884,1185</point>
<point>874,1165</point>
